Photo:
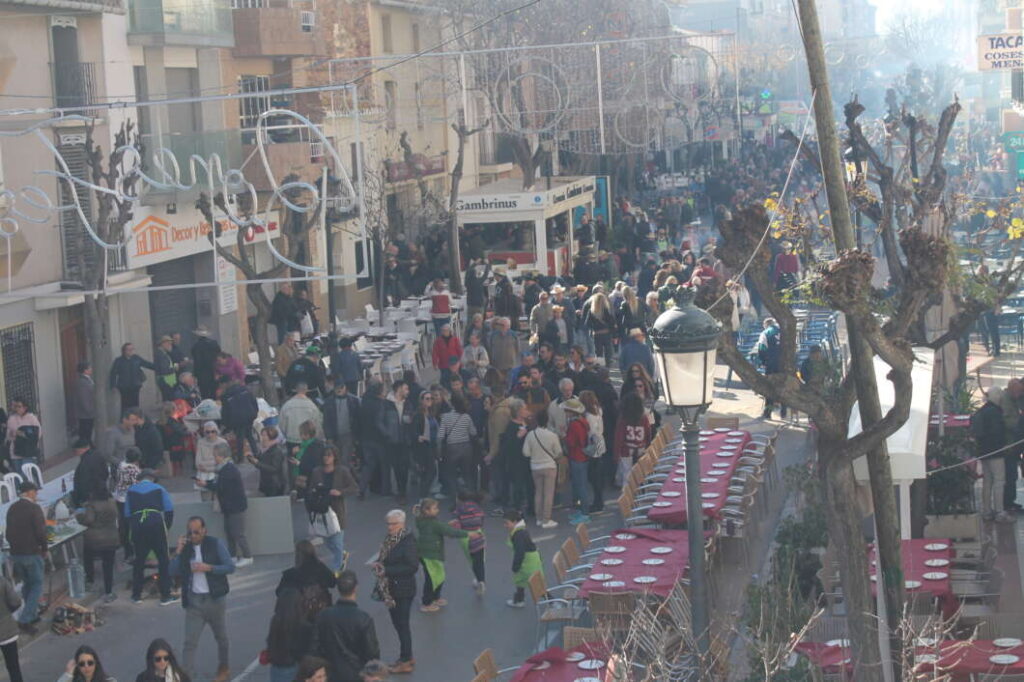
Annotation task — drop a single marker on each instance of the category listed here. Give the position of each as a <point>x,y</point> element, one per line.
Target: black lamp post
<point>685,340</point>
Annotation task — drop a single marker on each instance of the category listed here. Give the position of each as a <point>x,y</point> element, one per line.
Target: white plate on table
<point>661,550</point>
<point>1004,659</point>
<point>736,433</point>
<point>679,479</point>
<point>838,642</point>
<point>962,417</point>
<point>587,679</point>
<point>575,656</point>
<point>611,562</point>
<point>709,479</point>
<point>645,579</point>
<point>723,429</point>
<point>661,503</point>
<point>703,439</point>
<point>625,536</point>
<point>653,562</point>
<point>613,583</point>
<point>935,575</point>
<point>1006,642</point>
<point>936,563</point>
<point>721,465</point>
<point>707,505</point>
<point>591,664</point>
<point>733,440</point>
<point>730,447</point>
<point>936,546</point>
<point>601,577</point>
<point>926,658</point>
<point>705,432</point>
<point>911,584</point>
<point>710,495</point>
<point>671,493</point>
<point>615,549</point>
<point>724,453</point>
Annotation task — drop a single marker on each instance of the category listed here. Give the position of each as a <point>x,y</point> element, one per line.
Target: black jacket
<point>204,358</point>
<point>215,553</point>
<point>400,567</point>
<point>240,408</point>
<point>304,371</point>
<point>389,424</point>
<point>151,444</point>
<point>369,408</point>
<point>301,577</point>
<point>127,372</point>
<point>90,475</point>
<point>346,637</point>
<point>331,415</point>
<point>550,334</point>
<point>230,489</point>
<point>270,463</point>
<point>989,428</point>
<point>285,311</point>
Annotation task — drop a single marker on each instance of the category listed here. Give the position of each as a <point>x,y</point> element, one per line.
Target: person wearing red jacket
<point>577,434</point>
<point>447,354</point>
<point>633,433</point>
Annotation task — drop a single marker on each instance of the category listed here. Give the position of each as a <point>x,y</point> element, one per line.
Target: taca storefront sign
<point>1001,52</point>
<point>159,238</point>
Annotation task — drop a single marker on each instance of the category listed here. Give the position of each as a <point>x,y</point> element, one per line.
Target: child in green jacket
<point>525,557</point>
<point>430,535</point>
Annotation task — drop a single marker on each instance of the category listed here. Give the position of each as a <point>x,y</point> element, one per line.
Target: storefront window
<point>508,237</point>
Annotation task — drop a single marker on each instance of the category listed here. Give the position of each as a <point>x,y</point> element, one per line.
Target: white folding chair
<point>6,494</point>
<point>14,480</point>
<point>34,473</point>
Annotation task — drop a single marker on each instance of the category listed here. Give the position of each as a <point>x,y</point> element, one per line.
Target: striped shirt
<point>455,428</point>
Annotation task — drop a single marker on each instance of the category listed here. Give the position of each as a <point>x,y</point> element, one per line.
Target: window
<point>250,108</point>
<point>17,349</point>
<point>415,38</point>
<point>385,31</point>
<point>246,4</point>
<point>391,103</point>
<point>362,247</point>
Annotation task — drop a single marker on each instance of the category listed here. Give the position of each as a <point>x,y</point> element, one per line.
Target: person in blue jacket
<point>150,512</point>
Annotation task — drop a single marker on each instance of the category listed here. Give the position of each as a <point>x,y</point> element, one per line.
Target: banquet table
<point>915,553</point>
<point>551,665</point>
<point>720,452</point>
<point>637,544</point>
<point>950,420</point>
<point>959,658</point>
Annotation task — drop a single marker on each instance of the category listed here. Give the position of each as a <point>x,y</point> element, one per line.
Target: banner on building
<point>159,237</point>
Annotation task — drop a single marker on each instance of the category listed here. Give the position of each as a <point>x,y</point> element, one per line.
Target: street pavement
<point>444,643</point>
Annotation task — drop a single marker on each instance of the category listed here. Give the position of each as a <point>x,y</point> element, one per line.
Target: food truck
<point>533,228</point>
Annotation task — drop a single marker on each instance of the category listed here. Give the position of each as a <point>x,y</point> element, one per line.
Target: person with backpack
<point>595,449</point>
<point>238,413</point>
<point>577,440</point>
<point>769,352</point>
<point>326,489</point>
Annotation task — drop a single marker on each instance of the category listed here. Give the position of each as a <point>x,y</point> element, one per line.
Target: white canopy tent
<point>907,446</point>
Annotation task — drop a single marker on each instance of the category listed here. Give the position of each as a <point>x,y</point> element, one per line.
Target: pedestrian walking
<point>345,635</point>
<point>10,601</point>
<point>204,360</point>
<point>341,419</point>
<point>284,312</point>
<point>525,557</point>
<point>85,667</point>
<point>99,516</point>
<point>150,513</point>
<point>202,563</point>
<point>447,354</point>
<point>149,442</point>
<point>84,401</point>
<point>206,462</point>
<point>424,430</point>
<point>430,535</point>
<point>307,573</point>
<point>165,368</point>
<point>595,449</point>
<point>577,438</point>
<point>600,319</point>
<point>469,517</point>
<point>455,437</point>
<point>990,438</point>
<point>515,490</point>
<point>769,353</point>
<point>295,412</point>
<point>125,476</point>
<point>290,636</point>
<point>91,473</point>
<point>270,462</point>
<point>328,485</point>
<point>229,488</point>
<point>543,448</point>
<point>306,458</point>
<point>239,410</point>
<point>161,664</point>
<point>26,538</point>
<point>633,433</point>
<point>347,366</point>
<point>126,376</point>
<point>395,571</point>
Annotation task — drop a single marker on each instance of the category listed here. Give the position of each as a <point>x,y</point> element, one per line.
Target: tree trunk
<point>267,371</point>
<point>98,352</point>
<point>844,522</point>
<point>454,255</point>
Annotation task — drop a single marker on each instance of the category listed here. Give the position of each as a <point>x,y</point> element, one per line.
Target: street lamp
<point>685,340</point>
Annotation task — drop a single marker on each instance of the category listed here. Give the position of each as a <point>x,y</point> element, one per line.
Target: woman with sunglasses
<point>85,667</point>
<point>161,665</point>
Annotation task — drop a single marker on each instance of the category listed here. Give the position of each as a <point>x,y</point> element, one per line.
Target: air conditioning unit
<point>307,20</point>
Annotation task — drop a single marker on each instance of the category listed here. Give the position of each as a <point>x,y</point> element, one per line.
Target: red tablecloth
<point>670,508</point>
<point>914,556</point>
<point>949,420</point>
<point>960,658</point>
<point>638,549</point>
<point>557,669</point>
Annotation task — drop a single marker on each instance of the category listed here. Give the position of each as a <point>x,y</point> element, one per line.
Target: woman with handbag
<point>455,435</point>
<point>395,569</point>
<point>543,448</point>
<point>325,502</point>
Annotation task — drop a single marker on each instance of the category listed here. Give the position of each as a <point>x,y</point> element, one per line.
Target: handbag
<point>325,525</point>
<point>306,325</point>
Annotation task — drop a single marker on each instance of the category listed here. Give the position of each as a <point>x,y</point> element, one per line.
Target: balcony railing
<point>74,83</point>
<point>200,23</point>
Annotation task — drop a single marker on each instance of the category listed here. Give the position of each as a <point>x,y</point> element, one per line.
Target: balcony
<point>74,84</point>
<point>291,150</point>
<point>226,144</point>
<point>109,6</point>
<point>276,32</point>
<point>195,23</point>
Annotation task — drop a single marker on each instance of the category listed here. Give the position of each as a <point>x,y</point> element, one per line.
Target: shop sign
<point>1001,51</point>
<point>159,238</point>
<point>500,202</point>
